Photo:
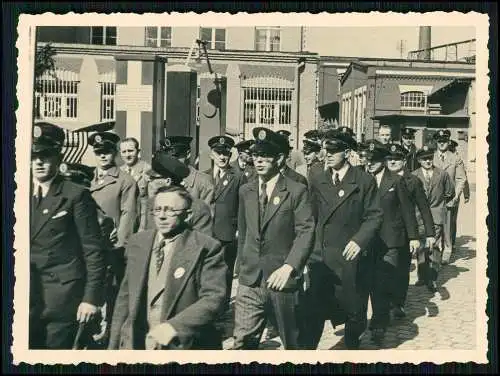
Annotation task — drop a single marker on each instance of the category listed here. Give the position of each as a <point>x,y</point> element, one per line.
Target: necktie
<point>263,201</point>
<point>427,178</point>
<point>39,195</point>
<point>160,255</point>
<point>336,179</point>
<point>442,157</point>
<point>129,170</point>
<point>218,177</point>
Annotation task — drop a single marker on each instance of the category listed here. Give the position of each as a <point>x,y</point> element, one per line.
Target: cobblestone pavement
<point>444,320</point>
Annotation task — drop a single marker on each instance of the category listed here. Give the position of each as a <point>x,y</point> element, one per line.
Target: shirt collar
<point>342,171</point>
<point>271,183</point>
<point>45,186</point>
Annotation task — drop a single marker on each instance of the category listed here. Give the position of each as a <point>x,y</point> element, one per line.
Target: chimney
<point>424,42</point>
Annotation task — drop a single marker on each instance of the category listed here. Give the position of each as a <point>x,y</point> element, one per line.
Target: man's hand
<point>453,202</point>
<point>279,278</point>
<point>85,312</point>
<point>163,334</point>
<point>351,250</point>
<point>113,236</point>
<point>429,242</point>
<point>414,246</point>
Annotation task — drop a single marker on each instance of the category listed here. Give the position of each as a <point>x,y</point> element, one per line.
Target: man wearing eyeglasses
<point>276,235</point>
<point>175,282</point>
<point>440,190</point>
<point>454,166</point>
<point>167,171</point>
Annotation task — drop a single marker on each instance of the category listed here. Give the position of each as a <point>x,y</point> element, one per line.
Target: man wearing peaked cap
<point>275,238</point>
<point>286,164</point>
<point>168,171</point>
<point>396,163</point>
<point>116,193</point>
<point>293,158</point>
<point>408,143</point>
<point>197,183</point>
<point>244,162</point>
<point>348,218</point>
<point>397,235</point>
<point>310,151</point>
<point>314,135</point>
<point>67,262</point>
<point>439,190</point>
<point>454,166</point>
<point>227,182</point>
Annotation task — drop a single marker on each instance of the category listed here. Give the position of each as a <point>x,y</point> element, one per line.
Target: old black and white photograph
<point>258,182</point>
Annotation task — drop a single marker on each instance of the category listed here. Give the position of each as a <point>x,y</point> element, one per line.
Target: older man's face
<point>384,135</point>
<point>44,165</point>
<point>170,211</point>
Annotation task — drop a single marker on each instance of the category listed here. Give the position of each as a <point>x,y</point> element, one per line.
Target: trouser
<point>52,335</point>
<point>229,251</point>
<point>429,260</point>
<point>403,278</point>
<point>384,287</point>
<point>253,307</point>
<point>450,231</point>
<point>339,296</point>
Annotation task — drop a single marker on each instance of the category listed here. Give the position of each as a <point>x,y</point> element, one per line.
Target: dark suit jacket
<point>348,212</point>
<point>191,302</point>
<point>225,204</point>
<point>248,171</point>
<point>285,236</point>
<point>67,254</point>
<point>411,158</point>
<point>292,174</point>
<point>399,221</point>
<point>418,197</point>
<point>440,192</point>
<point>201,217</point>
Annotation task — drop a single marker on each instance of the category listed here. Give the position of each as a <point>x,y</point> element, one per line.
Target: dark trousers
<point>341,297</point>
<point>253,307</point>
<point>429,260</point>
<point>403,278</point>
<point>52,335</point>
<point>384,286</point>
<point>229,250</point>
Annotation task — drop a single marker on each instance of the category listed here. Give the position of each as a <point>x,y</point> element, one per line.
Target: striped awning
<point>75,146</point>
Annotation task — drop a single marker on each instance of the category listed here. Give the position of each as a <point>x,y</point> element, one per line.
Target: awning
<point>98,127</point>
<point>262,70</point>
<point>458,84</point>
<point>426,119</point>
<point>71,64</point>
<point>105,66</point>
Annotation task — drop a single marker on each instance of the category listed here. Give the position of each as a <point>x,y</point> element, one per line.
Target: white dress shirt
<point>343,170</point>
<point>379,177</point>
<point>45,186</point>
<point>270,184</point>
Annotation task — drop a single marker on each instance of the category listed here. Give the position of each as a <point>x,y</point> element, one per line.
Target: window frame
<point>405,101</point>
<point>158,38</point>
<point>268,43</point>
<point>212,43</point>
<point>105,34</point>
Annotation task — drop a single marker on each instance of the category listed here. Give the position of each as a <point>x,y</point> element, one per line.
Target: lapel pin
<point>246,173</point>
<point>45,211</point>
<point>179,272</point>
<point>341,193</point>
<point>224,182</point>
<point>276,200</point>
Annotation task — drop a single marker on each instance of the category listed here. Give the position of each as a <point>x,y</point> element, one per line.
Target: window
<point>157,36</point>
<point>267,38</point>
<point>107,100</point>
<point>270,107</point>
<point>413,100</point>
<point>216,38</point>
<point>57,97</point>
<point>105,35</point>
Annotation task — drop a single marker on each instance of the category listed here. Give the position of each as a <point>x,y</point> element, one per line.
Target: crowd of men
<point>143,256</point>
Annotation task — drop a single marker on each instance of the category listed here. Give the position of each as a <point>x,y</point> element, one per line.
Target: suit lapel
<point>110,178</point>
<point>347,187</point>
<point>277,197</point>
<point>224,183</point>
<point>386,183</point>
<point>49,205</point>
<point>434,180</point>
<point>185,255</point>
<point>328,190</point>
<point>252,202</point>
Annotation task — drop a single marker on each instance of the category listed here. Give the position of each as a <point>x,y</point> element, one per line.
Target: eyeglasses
<point>169,212</point>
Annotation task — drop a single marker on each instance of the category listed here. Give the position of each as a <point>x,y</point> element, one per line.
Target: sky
<point>377,41</point>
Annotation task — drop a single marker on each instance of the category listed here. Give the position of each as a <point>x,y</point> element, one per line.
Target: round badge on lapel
<point>276,200</point>
<point>37,132</point>
<point>372,147</point>
<point>224,183</point>
<point>179,272</point>
<point>341,193</point>
<point>393,148</point>
<point>45,211</point>
<point>246,173</point>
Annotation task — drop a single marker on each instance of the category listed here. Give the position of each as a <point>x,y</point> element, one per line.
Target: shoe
<point>271,333</point>
<point>398,312</point>
<point>378,335</point>
<point>420,282</point>
<point>432,286</point>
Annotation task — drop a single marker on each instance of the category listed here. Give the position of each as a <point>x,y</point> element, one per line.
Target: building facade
<point>265,85</point>
<point>425,95</point>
